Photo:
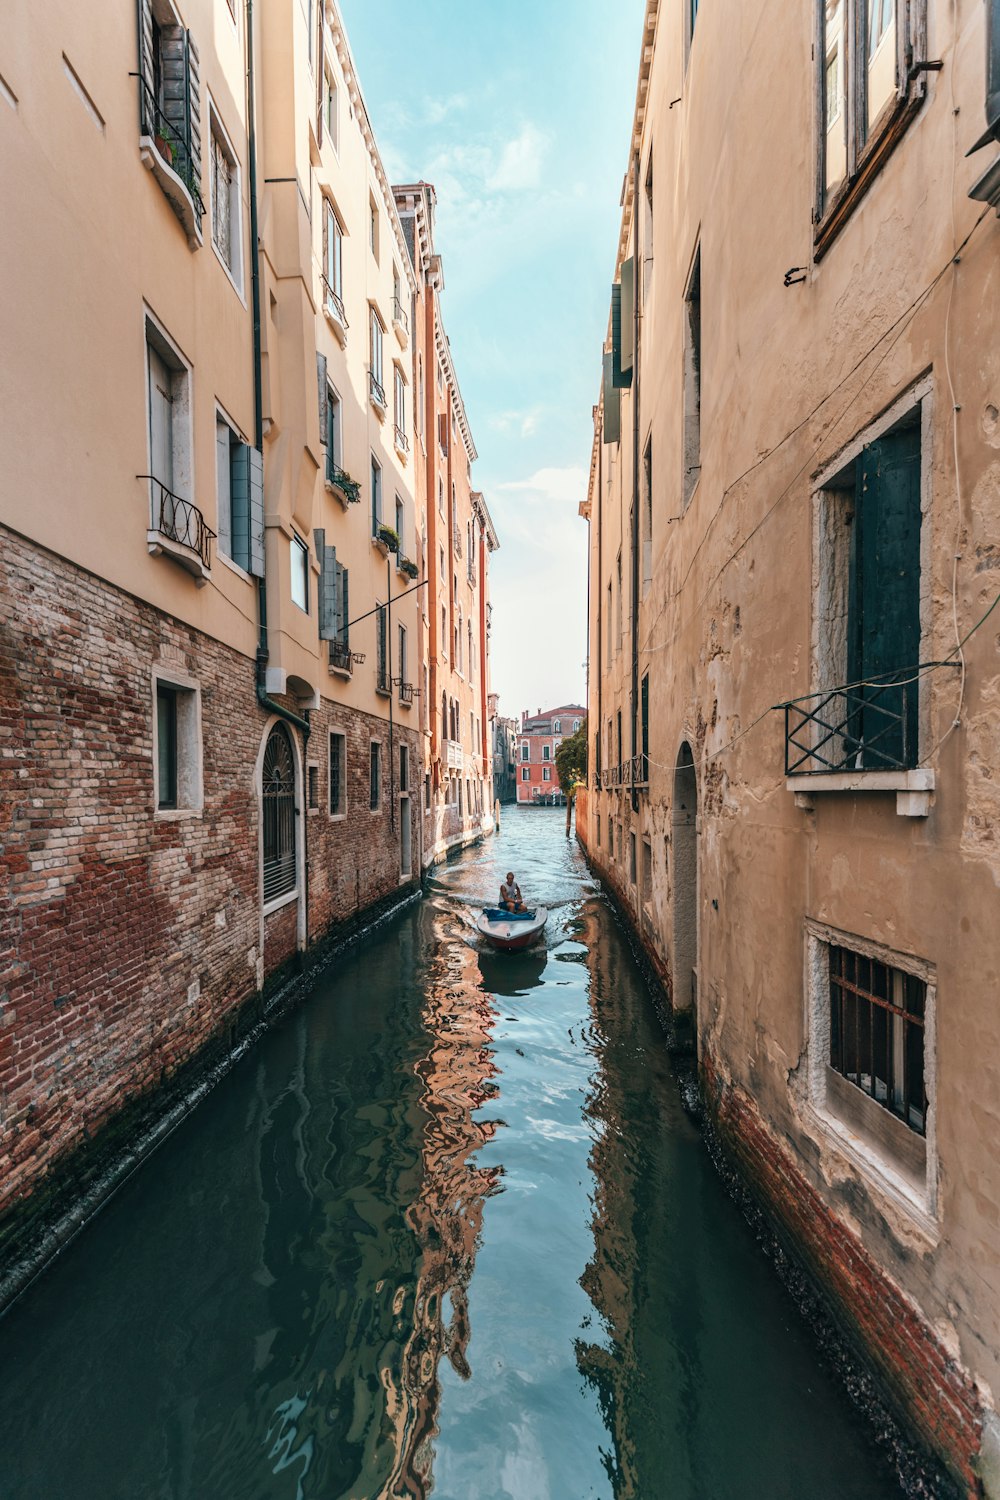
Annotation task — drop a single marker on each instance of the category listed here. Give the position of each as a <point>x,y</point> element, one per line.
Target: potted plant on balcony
<point>409,567</point>
<point>341,480</point>
<point>389,538</point>
<point>164,141</point>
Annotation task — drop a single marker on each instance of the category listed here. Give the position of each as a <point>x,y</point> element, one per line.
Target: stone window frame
<point>156,337</point>
<point>190,744</point>
<point>217,130</point>
<point>375,783</point>
<point>339,733</point>
<point>861,1130</point>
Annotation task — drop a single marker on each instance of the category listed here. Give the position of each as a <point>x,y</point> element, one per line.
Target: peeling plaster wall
<point>745,610</point>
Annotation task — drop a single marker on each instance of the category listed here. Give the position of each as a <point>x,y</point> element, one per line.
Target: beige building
<point>794,512</point>
<point>215,655</point>
<point>458,538</point>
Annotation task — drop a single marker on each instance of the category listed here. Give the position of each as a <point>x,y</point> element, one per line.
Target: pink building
<point>537,781</point>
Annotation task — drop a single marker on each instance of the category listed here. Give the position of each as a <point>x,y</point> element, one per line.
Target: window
<point>382,645</point>
<point>375,351</point>
<point>331,111</point>
<point>233,521</point>
<point>226,202</point>
<point>458,787</point>
<point>867,610</point>
<point>546,752</point>
<point>546,773</point>
<point>576,725</point>
<point>441,563</point>
<point>399,408</point>
<point>647,229</point>
<point>338,774</point>
<point>427,792</point>
<point>865,80</point>
<point>877,1032</point>
<point>525,751</point>
<point>312,787</point>
<point>334,433</point>
<point>400,524</point>
<point>373,227</point>
<point>647,869</point>
<point>376,495</point>
<point>607,627</point>
<point>403,664</point>
<point>300,573</point>
<point>525,773</point>
<point>444,632</point>
<point>647,518</point>
<point>631,857</point>
<point>278,815</point>
<point>170,109</point>
<point>333,262</point>
<point>618,608</point>
<point>404,768</point>
<point>420,394</point>
<point>692,380</point>
<point>692,16</point>
<point>375,776</point>
<point>169,388</point>
<point>440,497</point>
<point>557,726</point>
<point>166,745</point>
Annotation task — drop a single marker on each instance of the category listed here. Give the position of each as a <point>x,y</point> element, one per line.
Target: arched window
<point>444,716</point>
<point>278,788</point>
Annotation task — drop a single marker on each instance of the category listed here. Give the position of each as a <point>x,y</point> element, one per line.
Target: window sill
<point>401,332</point>
<point>850,194</point>
<point>189,558</point>
<point>336,322</point>
<point>337,817</point>
<point>897,1187</point>
<point>280,901</point>
<point>379,407</point>
<point>229,274</point>
<point>346,672</point>
<point>333,488</point>
<point>914,789</point>
<point>233,567</point>
<point>174,189</point>
<point>177,814</point>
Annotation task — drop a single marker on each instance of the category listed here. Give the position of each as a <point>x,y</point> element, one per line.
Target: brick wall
<point>129,941</point>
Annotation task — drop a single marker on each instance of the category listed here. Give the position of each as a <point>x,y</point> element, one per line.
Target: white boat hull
<point>512,933</point>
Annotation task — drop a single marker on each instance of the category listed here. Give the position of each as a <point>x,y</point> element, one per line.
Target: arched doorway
<point>684,818</point>
<point>278,815</point>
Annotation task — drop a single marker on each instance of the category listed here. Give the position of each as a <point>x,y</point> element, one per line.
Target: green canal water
<point>446,1232</point>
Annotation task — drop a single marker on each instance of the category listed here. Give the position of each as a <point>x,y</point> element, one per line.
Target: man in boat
<point>510,894</point>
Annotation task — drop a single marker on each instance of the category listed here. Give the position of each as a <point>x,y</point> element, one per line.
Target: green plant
<point>571,761</point>
<point>388,537</point>
<point>350,487</point>
<point>409,567</point>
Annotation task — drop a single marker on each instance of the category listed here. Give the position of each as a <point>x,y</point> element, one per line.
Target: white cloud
<point>569,484</point>
<point>520,166</point>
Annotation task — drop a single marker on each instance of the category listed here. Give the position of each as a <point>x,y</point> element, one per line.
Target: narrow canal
<point>446,1232</point>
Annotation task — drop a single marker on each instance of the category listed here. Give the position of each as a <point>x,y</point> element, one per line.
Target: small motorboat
<point>509,930</point>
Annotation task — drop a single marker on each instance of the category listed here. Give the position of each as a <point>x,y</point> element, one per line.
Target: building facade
<point>457,541</point>
<point>540,736</point>
<point>794,509</point>
<point>504,743</point>
<point>216,726</point>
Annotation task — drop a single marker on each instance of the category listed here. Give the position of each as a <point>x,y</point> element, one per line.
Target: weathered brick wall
<point>128,940</point>
<point>930,1387</point>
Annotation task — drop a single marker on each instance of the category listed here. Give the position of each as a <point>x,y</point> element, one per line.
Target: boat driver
<point>510,894</point>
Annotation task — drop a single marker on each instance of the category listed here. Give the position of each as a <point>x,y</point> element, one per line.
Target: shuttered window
<point>375,776</point>
<point>338,778</point>
<point>222,199</point>
<point>278,809</point>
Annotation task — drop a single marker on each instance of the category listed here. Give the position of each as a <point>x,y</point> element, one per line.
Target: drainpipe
<point>600,585</point>
<point>300,722</point>
<point>636,247</point>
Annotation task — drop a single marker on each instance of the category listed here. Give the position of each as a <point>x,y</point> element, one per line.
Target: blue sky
<point>519,114</point>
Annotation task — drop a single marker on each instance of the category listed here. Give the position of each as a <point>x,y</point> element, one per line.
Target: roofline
<point>481,510</point>
<point>342,47</point>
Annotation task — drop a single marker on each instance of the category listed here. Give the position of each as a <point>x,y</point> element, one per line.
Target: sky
<point>519,113</point>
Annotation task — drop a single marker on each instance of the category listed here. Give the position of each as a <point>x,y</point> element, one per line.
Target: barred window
<point>375,777</point>
<point>338,756</point>
<point>278,793</point>
<point>877,1032</point>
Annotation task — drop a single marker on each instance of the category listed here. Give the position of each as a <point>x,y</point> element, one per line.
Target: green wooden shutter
<point>628,318</point>
<point>884,595</point>
<point>255,558</point>
<point>344,637</point>
<point>612,403</point>
<point>329,615</point>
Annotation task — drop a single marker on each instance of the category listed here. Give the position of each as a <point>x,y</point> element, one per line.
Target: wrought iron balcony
<point>376,391</point>
<point>342,657</point>
<point>406,693</point>
<point>177,521</point>
<point>861,727</point>
<point>456,540</point>
<point>333,305</point>
<point>472,570</point>
<point>399,315</point>
<point>335,475</point>
<point>402,441</point>
<point>172,141</point>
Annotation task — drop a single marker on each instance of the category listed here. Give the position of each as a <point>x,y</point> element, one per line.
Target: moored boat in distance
<point>509,930</point>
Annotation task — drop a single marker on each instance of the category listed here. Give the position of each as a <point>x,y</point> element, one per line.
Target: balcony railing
<point>333,302</point>
<point>399,315</point>
<point>172,142</point>
<point>337,476</point>
<point>406,692</point>
<point>342,657</point>
<point>472,570</point>
<point>862,727</point>
<point>376,391</point>
<point>456,540</point>
<point>632,772</point>
<point>179,520</point>
<point>402,441</point>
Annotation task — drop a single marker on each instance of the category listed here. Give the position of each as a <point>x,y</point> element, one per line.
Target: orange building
<point>537,781</point>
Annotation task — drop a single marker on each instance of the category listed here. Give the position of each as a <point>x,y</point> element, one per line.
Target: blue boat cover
<point>497,914</point>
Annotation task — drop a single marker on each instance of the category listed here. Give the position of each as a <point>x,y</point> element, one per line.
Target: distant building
<point>537,781</point>
<point>504,745</point>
